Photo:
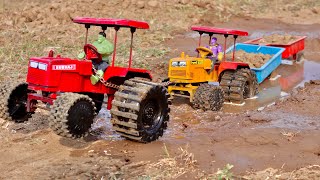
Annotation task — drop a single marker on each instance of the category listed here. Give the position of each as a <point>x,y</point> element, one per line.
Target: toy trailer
<point>139,108</point>
<point>266,69</point>
<point>293,49</point>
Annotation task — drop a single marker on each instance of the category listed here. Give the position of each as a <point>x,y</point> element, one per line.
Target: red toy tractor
<point>139,108</point>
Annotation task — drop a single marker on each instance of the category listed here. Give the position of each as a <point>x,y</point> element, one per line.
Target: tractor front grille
<point>182,73</point>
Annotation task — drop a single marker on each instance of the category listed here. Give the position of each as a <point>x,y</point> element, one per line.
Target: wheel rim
<point>80,118</point>
<point>151,115</point>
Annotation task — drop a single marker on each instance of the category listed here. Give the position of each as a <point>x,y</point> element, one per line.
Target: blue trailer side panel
<point>264,71</point>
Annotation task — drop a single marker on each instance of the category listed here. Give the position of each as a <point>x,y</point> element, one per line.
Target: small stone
<point>314,10</point>
<point>217,118</point>
<point>91,153</point>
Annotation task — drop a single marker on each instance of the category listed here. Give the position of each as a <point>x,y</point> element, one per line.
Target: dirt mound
<point>309,172</point>
<point>255,60</point>
<point>277,39</point>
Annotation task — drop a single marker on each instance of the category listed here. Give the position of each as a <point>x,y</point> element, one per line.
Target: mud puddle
<point>284,79</point>
<point>102,127</point>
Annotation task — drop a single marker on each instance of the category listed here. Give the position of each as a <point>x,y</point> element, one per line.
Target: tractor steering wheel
<point>92,53</point>
<point>204,52</point>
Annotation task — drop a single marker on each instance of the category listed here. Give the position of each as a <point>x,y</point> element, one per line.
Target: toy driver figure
<point>105,48</point>
<point>217,53</point>
<point>216,49</point>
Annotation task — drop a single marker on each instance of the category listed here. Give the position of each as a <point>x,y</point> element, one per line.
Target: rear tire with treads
<point>140,110</point>
<point>239,85</point>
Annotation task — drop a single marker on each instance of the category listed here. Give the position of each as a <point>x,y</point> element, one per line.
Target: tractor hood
<point>46,71</point>
<point>184,68</point>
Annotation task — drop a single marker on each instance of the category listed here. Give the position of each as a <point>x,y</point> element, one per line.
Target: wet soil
<point>254,60</point>
<point>277,39</point>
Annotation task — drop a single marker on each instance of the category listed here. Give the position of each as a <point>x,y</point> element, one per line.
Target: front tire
<point>97,99</point>
<point>72,115</point>
<point>208,97</point>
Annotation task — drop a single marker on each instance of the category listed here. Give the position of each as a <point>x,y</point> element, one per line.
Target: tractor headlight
<point>38,65</point>
<point>182,63</point>
<point>179,64</point>
<point>34,64</point>
<point>43,66</point>
<point>174,63</point>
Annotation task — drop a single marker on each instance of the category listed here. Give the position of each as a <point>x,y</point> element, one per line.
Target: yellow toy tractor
<point>207,83</point>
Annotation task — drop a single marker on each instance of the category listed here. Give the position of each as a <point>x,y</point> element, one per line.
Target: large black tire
<point>13,102</point>
<point>97,99</point>
<point>239,85</point>
<point>140,110</point>
<point>208,97</point>
<point>72,115</point>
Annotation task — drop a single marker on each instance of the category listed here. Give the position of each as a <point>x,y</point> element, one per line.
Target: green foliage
<point>225,173</point>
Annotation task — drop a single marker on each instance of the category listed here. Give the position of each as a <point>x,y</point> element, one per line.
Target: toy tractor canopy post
<point>225,32</point>
<point>117,24</point>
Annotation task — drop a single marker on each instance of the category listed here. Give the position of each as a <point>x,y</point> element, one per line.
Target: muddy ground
<point>273,136</point>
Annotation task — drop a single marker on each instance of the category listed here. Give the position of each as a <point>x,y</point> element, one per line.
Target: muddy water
<point>102,127</point>
<point>284,79</point>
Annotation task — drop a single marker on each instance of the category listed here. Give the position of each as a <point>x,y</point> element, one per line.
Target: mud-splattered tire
<point>97,99</point>
<point>98,102</point>
<point>13,102</point>
<point>140,110</point>
<point>208,97</point>
<point>239,85</point>
<point>72,115</point>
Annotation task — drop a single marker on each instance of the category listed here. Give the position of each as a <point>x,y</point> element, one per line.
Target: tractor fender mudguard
<point>230,66</point>
<point>112,72</point>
